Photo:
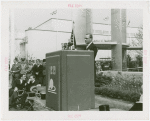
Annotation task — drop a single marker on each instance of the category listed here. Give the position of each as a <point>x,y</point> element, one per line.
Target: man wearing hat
<point>15,71</point>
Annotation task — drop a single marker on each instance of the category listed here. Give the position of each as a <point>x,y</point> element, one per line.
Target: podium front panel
<point>78,80</point>
<point>53,82</point>
<point>70,80</point>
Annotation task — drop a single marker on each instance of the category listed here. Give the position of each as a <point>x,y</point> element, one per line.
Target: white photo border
<point>63,115</point>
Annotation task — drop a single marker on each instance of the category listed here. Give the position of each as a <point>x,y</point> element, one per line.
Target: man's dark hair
<point>33,76</point>
<point>21,75</point>
<point>16,59</point>
<point>38,60</point>
<point>44,60</point>
<point>23,59</point>
<point>90,35</point>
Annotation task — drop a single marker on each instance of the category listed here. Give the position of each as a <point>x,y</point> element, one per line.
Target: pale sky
<point>25,18</point>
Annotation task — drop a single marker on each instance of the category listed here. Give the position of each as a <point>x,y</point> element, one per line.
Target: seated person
<point>31,82</point>
<point>13,92</point>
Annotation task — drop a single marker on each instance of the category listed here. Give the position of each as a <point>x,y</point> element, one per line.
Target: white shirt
<point>31,81</point>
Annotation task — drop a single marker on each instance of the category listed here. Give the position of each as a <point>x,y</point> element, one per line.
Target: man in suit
<point>38,71</point>
<point>31,82</point>
<point>92,47</point>
<point>24,66</point>
<point>15,70</point>
<point>13,92</point>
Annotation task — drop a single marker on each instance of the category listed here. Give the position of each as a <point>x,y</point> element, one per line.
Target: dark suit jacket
<point>16,68</point>
<point>37,69</point>
<point>44,70</point>
<point>19,85</point>
<point>91,46</point>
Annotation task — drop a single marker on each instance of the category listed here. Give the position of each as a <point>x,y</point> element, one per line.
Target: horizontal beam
<point>105,45</point>
<point>134,48</point>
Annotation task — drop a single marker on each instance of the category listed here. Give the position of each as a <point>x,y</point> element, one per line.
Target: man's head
<point>23,59</point>
<point>23,77</point>
<point>38,61</point>
<point>88,38</point>
<point>30,64</point>
<point>32,77</point>
<point>44,61</point>
<point>16,60</point>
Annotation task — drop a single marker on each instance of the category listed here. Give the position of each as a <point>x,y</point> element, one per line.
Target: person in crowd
<point>13,92</point>
<point>91,46</point>
<point>41,62</point>
<point>31,82</point>
<point>15,71</point>
<point>29,70</point>
<point>24,66</point>
<point>44,72</point>
<point>33,62</point>
<point>29,61</point>
<point>38,72</point>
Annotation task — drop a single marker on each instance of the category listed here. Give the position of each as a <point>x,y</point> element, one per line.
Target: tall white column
<point>80,25</point>
<point>89,21</point>
<point>12,37</point>
<point>118,34</point>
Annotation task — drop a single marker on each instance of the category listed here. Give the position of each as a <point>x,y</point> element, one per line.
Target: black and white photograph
<point>76,58</point>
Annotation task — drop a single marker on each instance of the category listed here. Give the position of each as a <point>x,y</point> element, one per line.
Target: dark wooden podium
<point>70,80</point>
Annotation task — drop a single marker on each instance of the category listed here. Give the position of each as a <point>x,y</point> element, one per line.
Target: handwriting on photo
<point>74,116</point>
<point>74,5</point>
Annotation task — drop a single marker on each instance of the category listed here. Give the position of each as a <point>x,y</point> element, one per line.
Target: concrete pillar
<point>124,53</point>
<point>80,25</point>
<point>83,25</point>
<point>89,22</point>
<point>116,36</point>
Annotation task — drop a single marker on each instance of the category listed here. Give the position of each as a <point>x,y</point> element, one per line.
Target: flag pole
<point>73,32</point>
<point>73,29</point>
<point>72,23</point>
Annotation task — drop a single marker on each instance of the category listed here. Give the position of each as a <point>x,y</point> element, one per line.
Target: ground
<point>114,104</point>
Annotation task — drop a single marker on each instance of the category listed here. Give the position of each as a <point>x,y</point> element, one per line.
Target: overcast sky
<point>25,18</point>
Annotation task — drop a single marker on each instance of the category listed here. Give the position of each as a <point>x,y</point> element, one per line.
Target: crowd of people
<point>26,74</point>
<point>28,68</point>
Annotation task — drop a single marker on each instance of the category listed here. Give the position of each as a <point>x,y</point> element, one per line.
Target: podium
<point>70,80</point>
